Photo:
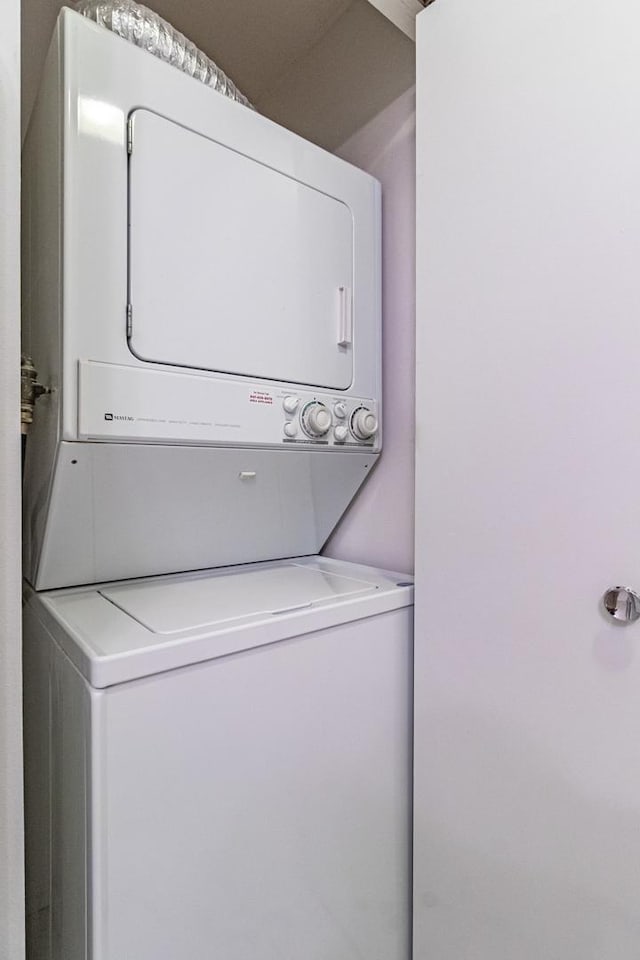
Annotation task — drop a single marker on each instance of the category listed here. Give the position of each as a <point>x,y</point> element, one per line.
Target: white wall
<point>38,21</point>
<point>11,856</point>
<point>338,85</point>
<point>378,528</point>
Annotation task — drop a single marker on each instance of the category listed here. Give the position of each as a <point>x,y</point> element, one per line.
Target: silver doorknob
<point>622,604</point>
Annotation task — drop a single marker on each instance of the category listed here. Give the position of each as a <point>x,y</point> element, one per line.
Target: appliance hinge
<point>130,135</point>
<point>129,321</point>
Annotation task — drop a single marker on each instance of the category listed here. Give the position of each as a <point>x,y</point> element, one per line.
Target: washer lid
<point>124,631</point>
<point>215,599</point>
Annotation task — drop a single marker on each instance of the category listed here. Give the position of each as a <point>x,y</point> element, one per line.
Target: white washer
<point>218,765</point>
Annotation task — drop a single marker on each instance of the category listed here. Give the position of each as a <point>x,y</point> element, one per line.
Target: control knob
<point>364,424</point>
<point>340,410</point>
<point>341,433</point>
<point>290,404</point>
<point>316,419</point>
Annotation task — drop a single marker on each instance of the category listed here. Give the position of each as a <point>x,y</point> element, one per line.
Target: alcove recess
<point>322,68</point>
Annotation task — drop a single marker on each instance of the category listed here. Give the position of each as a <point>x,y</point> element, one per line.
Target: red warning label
<point>259,396</point>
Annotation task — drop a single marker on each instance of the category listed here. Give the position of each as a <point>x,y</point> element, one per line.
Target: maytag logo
<point>114,416</point>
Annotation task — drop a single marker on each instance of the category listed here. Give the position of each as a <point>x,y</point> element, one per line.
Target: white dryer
<point>219,765</point>
<point>202,293</point>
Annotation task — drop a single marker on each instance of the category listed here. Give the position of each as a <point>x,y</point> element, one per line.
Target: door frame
<point>11,807</point>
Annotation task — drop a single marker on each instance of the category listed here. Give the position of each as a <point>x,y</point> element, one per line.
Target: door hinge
<point>130,135</point>
<point>129,320</point>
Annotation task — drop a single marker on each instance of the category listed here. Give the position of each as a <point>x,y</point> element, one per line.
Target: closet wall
<point>378,528</point>
<point>359,66</point>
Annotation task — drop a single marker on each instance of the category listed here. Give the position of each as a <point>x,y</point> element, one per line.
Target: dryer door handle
<point>345,316</point>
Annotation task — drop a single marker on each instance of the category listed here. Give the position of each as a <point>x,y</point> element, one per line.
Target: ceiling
<point>320,67</point>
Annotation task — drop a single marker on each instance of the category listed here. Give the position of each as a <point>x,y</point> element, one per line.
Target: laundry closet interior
<point>342,75</point>
<point>233,747</point>
<point>218,301</point>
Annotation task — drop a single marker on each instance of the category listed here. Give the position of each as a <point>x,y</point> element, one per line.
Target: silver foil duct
<point>136,23</point>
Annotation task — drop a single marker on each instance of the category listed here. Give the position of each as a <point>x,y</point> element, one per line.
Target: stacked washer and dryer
<point>217,719</point>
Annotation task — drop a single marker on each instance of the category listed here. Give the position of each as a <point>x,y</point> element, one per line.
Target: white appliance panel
<point>527,750</point>
<point>253,804</point>
<point>134,510</point>
<point>234,266</point>
<point>266,813</point>
<point>146,405</point>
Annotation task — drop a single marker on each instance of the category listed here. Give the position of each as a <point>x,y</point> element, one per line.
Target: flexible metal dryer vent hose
<point>141,26</point>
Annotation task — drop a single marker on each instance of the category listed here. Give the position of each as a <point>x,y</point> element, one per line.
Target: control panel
<point>150,406</point>
<point>329,421</point>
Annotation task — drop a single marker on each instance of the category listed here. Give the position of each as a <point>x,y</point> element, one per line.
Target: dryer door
<point>234,266</point>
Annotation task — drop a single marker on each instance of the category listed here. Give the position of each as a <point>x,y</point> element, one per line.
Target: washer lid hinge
<point>129,320</point>
<point>130,135</point>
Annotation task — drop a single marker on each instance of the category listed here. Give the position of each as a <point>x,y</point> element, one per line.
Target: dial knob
<point>340,410</point>
<point>341,433</point>
<point>290,404</point>
<point>364,424</point>
<point>316,419</point>
<point>290,429</point>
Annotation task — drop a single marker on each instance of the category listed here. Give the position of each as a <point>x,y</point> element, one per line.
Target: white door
<point>234,266</point>
<point>527,743</point>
